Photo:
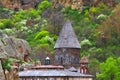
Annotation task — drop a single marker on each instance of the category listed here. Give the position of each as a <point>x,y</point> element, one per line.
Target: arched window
<point>61,60</point>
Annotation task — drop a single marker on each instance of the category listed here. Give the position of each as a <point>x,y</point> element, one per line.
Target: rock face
<point>16,48</point>
<point>74,4</point>
<point>3,54</point>
<point>18,4</point>
<point>11,47</point>
<point>2,76</point>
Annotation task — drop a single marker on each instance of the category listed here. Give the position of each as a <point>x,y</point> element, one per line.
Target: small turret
<point>84,65</point>
<point>47,61</point>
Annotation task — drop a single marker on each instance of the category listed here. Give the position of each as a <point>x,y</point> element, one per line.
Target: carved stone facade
<point>67,57</point>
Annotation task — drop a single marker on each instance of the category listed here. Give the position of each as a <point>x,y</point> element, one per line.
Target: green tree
<point>33,13</point>
<point>110,69</point>
<point>44,5</point>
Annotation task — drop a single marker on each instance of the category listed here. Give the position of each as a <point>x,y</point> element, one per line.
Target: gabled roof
<point>67,37</point>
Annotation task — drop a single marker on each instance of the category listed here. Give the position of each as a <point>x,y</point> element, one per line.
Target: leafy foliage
<point>6,64</point>
<point>97,29</point>
<point>44,5</point>
<point>110,69</point>
<point>41,34</point>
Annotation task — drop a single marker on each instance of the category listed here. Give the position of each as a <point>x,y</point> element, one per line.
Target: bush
<point>44,5</point>
<point>33,13</point>
<point>41,34</point>
<point>6,64</point>
<point>2,26</point>
<point>7,23</point>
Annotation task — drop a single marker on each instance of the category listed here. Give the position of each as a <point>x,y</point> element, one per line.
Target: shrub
<point>41,34</point>
<point>44,5</point>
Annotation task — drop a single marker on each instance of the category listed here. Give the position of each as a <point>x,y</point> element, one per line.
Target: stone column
<point>2,76</point>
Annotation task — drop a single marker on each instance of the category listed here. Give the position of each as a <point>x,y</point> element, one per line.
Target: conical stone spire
<point>67,47</point>
<point>67,37</point>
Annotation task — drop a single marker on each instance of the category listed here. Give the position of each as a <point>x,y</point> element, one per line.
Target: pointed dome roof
<point>84,60</point>
<point>67,37</point>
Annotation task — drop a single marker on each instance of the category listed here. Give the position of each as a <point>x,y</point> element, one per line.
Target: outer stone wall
<point>67,57</point>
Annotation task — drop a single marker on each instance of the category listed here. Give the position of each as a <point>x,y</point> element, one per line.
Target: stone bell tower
<point>67,47</point>
<point>84,65</point>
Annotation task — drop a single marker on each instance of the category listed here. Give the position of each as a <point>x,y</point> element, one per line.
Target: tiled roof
<point>51,73</point>
<point>48,67</point>
<point>72,69</point>
<point>67,37</point>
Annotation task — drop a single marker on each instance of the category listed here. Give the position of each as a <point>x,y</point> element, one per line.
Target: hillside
<point>96,23</point>
<point>110,26</point>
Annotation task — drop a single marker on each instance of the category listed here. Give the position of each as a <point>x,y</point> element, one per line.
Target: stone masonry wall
<point>67,57</point>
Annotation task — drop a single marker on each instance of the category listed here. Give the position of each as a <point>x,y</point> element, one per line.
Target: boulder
<point>10,47</point>
<point>16,48</point>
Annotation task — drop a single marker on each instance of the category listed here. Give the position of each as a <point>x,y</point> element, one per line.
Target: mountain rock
<point>13,47</point>
<point>2,76</point>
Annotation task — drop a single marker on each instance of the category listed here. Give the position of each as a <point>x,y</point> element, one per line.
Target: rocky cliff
<point>2,77</point>
<point>74,4</point>
<point>19,4</point>
<point>11,47</point>
<point>14,47</point>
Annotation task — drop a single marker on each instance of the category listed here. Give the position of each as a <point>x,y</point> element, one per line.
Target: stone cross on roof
<point>67,37</point>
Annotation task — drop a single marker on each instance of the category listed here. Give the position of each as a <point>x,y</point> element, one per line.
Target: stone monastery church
<point>67,64</point>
